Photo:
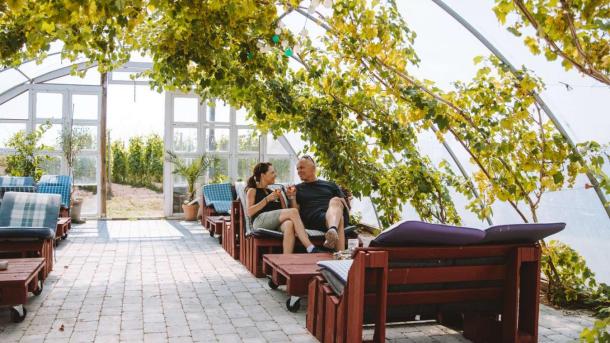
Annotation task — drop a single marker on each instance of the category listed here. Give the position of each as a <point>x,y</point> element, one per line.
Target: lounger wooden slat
<point>418,275</point>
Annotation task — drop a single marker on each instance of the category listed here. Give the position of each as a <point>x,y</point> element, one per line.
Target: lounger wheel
<point>16,317</point>
<point>38,289</point>
<point>272,285</point>
<point>293,304</point>
<point>64,236</point>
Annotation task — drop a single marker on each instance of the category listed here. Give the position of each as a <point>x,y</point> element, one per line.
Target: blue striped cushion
<point>16,181</point>
<point>56,184</point>
<point>29,210</point>
<point>219,196</point>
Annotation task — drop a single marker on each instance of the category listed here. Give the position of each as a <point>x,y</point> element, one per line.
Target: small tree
<point>135,165</point>
<point>191,171</point>
<point>27,159</point>
<point>119,162</point>
<point>72,141</point>
<point>153,159</point>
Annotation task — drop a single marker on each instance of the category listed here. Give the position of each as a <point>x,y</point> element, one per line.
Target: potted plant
<point>190,172</point>
<point>72,141</point>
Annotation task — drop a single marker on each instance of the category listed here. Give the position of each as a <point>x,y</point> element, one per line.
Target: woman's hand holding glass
<point>273,196</point>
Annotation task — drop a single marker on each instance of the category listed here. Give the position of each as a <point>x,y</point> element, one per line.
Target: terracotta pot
<point>190,212</point>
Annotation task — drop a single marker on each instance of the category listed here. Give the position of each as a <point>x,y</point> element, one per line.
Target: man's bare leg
<point>335,236</point>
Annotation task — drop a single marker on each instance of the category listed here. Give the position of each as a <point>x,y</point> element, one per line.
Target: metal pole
<point>543,105</point>
<point>102,141</point>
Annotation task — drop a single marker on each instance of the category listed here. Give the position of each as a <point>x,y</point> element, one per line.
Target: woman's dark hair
<point>259,168</point>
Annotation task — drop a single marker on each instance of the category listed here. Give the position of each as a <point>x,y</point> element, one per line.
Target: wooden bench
<point>23,275</point>
<point>491,291</point>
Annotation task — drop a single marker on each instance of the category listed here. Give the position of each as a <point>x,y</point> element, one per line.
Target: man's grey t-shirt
<point>313,198</point>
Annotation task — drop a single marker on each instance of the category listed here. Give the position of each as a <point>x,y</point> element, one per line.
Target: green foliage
<point>219,178</point>
<point>119,162</point>
<point>72,141</point>
<point>135,161</point>
<point>575,31</point>
<point>600,332</point>
<point>153,159</point>
<point>28,158</point>
<point>572,283</point>
<point>191,171</point>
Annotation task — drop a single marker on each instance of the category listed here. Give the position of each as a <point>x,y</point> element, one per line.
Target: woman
<point>267,209</point>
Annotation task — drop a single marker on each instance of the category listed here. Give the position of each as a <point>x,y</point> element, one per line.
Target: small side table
<point>21,276</point>
<point>63,226</point>
<point>294,271</point>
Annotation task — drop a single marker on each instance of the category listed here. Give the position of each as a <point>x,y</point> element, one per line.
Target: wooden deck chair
<point>489,288</point>
<point>255,242</point>
<point>27,226</point>
<point>215,201</point>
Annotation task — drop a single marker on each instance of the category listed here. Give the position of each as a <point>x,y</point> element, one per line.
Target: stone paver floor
<point>169,281</point>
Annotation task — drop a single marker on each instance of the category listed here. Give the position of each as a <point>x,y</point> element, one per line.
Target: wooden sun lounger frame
<point>333,318</point>
<point>250,248</point>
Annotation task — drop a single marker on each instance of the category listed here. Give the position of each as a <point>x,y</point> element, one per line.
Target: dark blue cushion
<point>412,233</point>
<point>26,232</point>
<point>518,233</point>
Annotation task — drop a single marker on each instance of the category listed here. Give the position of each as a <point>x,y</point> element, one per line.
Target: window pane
<point>245,167</point>
<point>85,106</point>
<point>51,136</point>
<point>220,113</point>
<point>282,169</point>
<point>52,166</point>
<point>89,195</point>
<point>185,139</point>
<point>84,170</point>
<point>221,172</point>
<point>218,139</point>
<point>241,117</point>
<point>89,136</point>
<point>248,140</point>
<point>274,146</point>
<point>186,110</point>
<point>49,105</point>
<point>16,108</point>
<point>8,130</point>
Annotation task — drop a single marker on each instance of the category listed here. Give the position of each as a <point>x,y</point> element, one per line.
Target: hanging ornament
<point>275,38</point>
<point>280,24</point>
<point>288,52</point>
<point>328,3</point>
<point>278,31</point>
<point>259,44</point>
<point>249,55</point>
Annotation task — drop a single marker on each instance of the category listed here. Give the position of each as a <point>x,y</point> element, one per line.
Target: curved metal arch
<point>543,105</point>
<point>52,75</point>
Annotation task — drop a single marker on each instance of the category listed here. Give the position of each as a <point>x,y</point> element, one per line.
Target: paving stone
<point>168,281</point>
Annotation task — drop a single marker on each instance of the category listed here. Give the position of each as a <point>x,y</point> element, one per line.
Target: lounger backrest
<point>426,281</point>
<point>23,189</point>
<point>56,184</point>
<point>16,181</point>
<point>219,196</point>
<point>29,210</point>
<point>240,189</point>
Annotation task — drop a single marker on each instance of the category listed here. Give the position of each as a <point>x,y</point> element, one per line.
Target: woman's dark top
<point>261,193</point>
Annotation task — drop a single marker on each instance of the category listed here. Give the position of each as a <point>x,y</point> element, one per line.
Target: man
<point>321,204</point>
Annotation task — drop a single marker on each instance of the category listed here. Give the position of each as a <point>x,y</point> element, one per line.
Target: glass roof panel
<point>10,78</point>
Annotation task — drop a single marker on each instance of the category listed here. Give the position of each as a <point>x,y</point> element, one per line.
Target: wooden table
<point>22,275</point>
<point>63,226</point>
<point>214,225</point>
<point>294,271</point>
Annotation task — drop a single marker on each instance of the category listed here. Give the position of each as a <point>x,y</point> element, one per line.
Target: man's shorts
<point>317,220</point>
<point>268,220</point>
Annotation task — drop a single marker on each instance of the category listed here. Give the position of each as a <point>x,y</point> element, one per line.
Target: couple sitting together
<point>314,204</point>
